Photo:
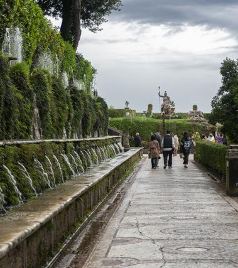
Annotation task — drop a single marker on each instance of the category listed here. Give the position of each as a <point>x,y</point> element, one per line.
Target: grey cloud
<point>213,13</point>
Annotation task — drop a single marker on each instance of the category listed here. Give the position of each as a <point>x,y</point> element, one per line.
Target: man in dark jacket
<point>186,146</point>
<point>168,146</point>
<point>137,140</point>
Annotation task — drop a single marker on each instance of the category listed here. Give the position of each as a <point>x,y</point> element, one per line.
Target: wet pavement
<point>170,218</point>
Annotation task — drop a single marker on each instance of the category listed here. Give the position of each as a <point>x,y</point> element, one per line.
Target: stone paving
<point>171,218</point>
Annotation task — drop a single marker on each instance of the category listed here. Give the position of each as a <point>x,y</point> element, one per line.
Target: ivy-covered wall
<point>34,100</point>
<point>38,166</point>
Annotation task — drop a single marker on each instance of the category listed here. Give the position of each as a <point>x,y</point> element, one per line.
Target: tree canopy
<point>76,13</point>
<point>225,103</point>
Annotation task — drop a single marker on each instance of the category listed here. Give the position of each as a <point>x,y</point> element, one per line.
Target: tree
<point>225,103</point>
<point>79,13</point>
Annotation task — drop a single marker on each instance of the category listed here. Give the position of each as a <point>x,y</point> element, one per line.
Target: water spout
<point>59,166</point>
<point>28,177</point>
<point>44,174</point>
<point>66,159</point>
<point>2,200</point>
<point>14,184</point>
<point>79,161</point>
<point>51,170</point>
<point>12,44</point>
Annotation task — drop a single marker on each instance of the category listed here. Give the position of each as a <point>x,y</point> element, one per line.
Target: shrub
<point>42,88</point>
<point>146,126</point>
<point>212,156</point>
<point>19,74</point>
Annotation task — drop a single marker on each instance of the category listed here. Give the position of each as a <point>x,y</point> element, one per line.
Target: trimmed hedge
<point>146,126</point>
<point>212,156</point>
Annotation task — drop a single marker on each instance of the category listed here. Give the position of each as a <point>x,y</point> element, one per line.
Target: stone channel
<point>32,233</point>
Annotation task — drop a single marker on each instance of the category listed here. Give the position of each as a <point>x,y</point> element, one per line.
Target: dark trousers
<point>185,158</point>
<point>168,154</point>
<point>154,162</point>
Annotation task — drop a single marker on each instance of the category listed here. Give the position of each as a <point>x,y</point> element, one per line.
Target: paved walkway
<point>170,218</point>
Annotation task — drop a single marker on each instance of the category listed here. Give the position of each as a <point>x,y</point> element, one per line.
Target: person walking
<point>186,146</point>
<point>176,144</point>
<point>168,146</point>
<point>154,151</point>
<point>137,140</point>
<point>158,137</point>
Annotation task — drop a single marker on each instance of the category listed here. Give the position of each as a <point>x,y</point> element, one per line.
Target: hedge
<point>212,156</point>
<point>146,126</point>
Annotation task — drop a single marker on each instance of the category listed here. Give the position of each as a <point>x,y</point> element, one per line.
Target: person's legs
<point>170,153</point>
<point>165,154</point>
<point>185,162</point>
<point>157,161</point>
<point>153,162</point>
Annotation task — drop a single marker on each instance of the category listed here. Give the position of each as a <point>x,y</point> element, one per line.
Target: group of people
<point>218,138</point>
<point>168,146</point>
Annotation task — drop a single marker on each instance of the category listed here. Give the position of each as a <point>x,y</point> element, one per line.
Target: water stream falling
<point>75,163</point>
<point>88,157</point>
<point>59,166</point>
<point>44,174</point>
<point>65,79</point>
<point>28,177</point>
<point>14,183</point>
<point>51,170</point>
<point>96,156</point>
<point>2,200</point>
<point>45,62</point>
<point>12,44</point>
<point>66,159</point>
<point>79,162</point>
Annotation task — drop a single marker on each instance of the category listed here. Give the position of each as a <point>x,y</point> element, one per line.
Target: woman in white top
<point>176,144</point>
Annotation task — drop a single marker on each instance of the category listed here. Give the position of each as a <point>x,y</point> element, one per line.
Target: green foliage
<point>93,13</point>
<point>212,155</point>
<point>46,153</point>
<point>19,74</point>
<point>114,113</point>
<point>9,99</point>
<point>41,84</point>
<point>59,108</point>
<point>84,71</point>
<point>146,126</point>
<point>102,121</point>
<point>225,103</point>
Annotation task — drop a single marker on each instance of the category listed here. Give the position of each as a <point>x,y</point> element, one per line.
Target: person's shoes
<point>185,166</point>
<point>170,166</point>
<point>164,167</point>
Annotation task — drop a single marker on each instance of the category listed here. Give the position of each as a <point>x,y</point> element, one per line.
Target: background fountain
<point>12,45</point>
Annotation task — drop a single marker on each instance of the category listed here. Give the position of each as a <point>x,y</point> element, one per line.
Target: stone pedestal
<point>232,171</point>
<point>125,142</point>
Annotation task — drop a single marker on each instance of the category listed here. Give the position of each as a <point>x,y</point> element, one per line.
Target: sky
<point>175,44</point>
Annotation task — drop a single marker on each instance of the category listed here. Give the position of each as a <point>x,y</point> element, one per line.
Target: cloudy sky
<point>175,44</point>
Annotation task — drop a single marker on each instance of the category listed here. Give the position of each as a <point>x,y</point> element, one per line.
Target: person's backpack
<point>187,145</point>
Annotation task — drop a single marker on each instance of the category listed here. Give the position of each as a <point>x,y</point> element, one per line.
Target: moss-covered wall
<point>48,164</point>
<point>25,89</point>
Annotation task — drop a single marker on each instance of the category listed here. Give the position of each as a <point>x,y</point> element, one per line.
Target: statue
<point>196,115</point>
<point>168,106</point>
<point>127,105</point>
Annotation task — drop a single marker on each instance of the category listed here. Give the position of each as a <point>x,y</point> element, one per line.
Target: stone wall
<point>32,234</point>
